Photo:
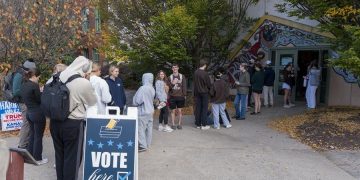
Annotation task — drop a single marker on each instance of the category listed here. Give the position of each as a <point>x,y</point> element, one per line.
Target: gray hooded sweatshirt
<point>144,96</point>
<point>81,92</point>
<point>314,77</point>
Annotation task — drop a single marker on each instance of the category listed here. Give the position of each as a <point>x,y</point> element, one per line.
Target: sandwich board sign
<point>10,115</point>
<point>111,152</point>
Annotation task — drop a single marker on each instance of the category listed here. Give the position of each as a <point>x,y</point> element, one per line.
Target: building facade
<point>282,40</point>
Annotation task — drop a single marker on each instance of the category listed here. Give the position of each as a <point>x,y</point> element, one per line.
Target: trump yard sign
<point>10,115</point>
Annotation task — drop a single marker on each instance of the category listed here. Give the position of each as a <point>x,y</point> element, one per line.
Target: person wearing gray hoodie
<point>313,81</point>
<point>68,135</point>
<point>144,100</point>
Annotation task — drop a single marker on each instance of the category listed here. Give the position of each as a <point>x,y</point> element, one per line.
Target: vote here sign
<point>111,154</point>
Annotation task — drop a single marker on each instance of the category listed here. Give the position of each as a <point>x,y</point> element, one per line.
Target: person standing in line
<point>144,100</point>
<point>257,83</point>
<point>219,93</point>
<point>242,87</point>
<point>162,90</point>
<point>101,88</point>
<point>202,85</point>
<point>287,85</point>
<point>68,135</point>
<point>313,81</point>
<point>16,90</point>
<point>269,78</point>
<point>177,95</point>
<point>31,95</point>
<point>251,71</point>
<point>117,90</point>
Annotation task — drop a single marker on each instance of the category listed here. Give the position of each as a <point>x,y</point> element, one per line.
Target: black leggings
<point>164,115</point>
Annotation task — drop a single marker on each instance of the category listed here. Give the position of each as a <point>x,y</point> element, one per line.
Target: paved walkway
<point>249,150</point>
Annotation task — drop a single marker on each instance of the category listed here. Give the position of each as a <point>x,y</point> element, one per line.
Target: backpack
<point>7,87</point>
<point>55,100</point>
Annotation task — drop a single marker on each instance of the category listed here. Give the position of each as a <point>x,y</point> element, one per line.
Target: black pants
<point>37,123</point>
<point>249,96</point>
<point>164,115</point>
<point>202,101</point>
<point>67,138</point>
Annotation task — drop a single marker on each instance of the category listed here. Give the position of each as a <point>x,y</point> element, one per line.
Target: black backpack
<point>7,86</point>
<point>55,100</point>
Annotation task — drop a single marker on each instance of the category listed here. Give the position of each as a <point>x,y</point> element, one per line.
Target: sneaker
<point>234,117</point>
<point>291,105</point>
<point>168,129</point>
<point>205,127</point>
<point>41,162</point>
<point>198,127</point>
<point>161,127</point>
<point>179,127</point>
<point>217,127</point>
<point>286,106</point>
<point>141,149</point>
<point>173,127</point>
<point>54,166</point>
<point>228,126</point>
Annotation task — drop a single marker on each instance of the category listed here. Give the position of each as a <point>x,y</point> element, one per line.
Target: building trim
<point>279,20</point>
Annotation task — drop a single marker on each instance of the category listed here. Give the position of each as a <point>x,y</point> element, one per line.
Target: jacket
<point>257,81</point>
<point>144,96</point>
<point>219,91</point>
<point>243,83</point>
<point>314,77</point>
<point>179,89</point>
<point>102,91</point>
<point>81,92</point>
<point>202,83</point>
<point>17,83</point>
<point>269,76</point>
<point>117,91</point>
<point>160,91</point>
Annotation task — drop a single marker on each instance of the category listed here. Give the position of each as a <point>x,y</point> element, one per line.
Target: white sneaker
<point>217,127</point>
<point>205,127</point>
<point>43,161</point>
<point>228,126</point>
<point>167,129</point>
<point>161,127</point>
<point>291,105</point>
<point>286,106</point>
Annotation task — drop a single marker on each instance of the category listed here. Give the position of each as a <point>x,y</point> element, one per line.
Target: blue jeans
<point>219,109</point>
<point>240,100</point>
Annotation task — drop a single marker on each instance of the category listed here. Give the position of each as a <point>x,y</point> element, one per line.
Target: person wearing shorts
<point>287,85</point>
<point>257,83</point>
<point>177,95</point>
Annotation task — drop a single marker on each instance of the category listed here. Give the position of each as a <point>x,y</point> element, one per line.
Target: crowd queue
<point>100,87</point>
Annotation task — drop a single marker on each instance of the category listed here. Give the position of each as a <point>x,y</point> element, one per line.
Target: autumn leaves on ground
<point>324,129</point>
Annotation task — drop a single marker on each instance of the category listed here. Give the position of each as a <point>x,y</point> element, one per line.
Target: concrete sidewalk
<point>248,150</point>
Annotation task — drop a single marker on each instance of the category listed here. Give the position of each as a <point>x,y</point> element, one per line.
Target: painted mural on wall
<point>272,34</point>
<point>348,77</point>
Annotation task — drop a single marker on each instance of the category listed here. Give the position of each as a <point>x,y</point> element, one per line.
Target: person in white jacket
<point>101,88</point>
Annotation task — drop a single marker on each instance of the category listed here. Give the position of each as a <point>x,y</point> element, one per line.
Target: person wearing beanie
<point>24,138</point>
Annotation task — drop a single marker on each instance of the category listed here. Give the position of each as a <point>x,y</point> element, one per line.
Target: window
<point>97,20</point>
<point>96,55</point>
<point>85,19</point>
<point>85,53</point>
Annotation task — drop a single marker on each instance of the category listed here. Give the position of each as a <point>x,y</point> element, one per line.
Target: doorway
<point>305,57</point>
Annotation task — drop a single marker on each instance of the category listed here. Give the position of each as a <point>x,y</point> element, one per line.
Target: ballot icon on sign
<point>123,175</point>
<point>110,133</point>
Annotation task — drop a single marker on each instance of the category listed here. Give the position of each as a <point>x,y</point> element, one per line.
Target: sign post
<point>10,115</point>
<point>111,154</point>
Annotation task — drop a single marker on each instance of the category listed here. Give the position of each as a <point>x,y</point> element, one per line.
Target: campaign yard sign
<point>10,115</point>
<point>111,154</point>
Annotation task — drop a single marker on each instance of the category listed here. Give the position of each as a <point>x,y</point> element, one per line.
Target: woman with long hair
<point>257,83</point>
<point>31,95</point>
<point>288,84</point>
<point>161,91</point>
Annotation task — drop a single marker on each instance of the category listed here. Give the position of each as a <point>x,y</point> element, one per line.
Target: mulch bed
<point>324,129</point>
